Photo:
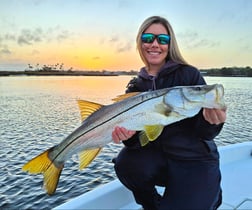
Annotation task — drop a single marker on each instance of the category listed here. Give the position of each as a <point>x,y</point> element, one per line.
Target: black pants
<point>188,184</point>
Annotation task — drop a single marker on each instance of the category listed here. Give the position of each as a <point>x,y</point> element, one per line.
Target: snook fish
<point>147,112</point>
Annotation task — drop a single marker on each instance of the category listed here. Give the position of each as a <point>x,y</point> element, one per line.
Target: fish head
<point>207,96</point>
<point>185,99</point>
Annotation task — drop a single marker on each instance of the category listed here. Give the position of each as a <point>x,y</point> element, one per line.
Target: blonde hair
<point>173,53</point>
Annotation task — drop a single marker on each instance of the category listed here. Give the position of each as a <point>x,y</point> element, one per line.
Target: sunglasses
<point>161,38</point>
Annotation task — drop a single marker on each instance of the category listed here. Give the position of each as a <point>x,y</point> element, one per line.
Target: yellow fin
<point>87,108</point>
<point>87,156</point>
<point>43,165</point>
<point>143,138</point>
<point>51,178</point>
<point>151,132</point>
<point>124,96</point>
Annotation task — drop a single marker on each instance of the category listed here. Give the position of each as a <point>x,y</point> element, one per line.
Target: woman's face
<point>155,53</point>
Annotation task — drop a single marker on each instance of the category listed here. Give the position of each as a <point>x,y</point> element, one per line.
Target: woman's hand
<point>121,134</point>
<point>214,116</point>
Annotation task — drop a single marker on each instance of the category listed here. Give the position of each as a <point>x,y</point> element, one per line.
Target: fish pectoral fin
<point>87,156</point>
<point>153,131</point>
<point>87,108</point>
<point>43,165</point>
<point>143,138</point>
<point>124,96</point>
<point>150,133</point>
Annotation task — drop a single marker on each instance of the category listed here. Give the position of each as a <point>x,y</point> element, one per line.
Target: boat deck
<point>236,168</point>
<point>236,179</point>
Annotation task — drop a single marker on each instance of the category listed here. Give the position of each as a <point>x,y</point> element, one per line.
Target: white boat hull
<point>236,169</point>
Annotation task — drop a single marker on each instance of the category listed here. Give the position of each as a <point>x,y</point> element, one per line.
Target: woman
<point>184,159</point>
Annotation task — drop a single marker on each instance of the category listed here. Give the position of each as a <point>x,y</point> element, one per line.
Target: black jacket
<point>191,138</point>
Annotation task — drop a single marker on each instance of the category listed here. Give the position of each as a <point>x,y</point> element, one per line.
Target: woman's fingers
<point>121,134</point>
<point>214,116</point>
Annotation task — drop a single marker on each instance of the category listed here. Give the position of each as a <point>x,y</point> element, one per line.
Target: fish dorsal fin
<point>150,133</point>
<point>124,96</point>
<point>87,156</point>
<point>87,108</point>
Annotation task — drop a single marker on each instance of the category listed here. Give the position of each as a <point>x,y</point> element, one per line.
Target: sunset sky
<point>100,34</point>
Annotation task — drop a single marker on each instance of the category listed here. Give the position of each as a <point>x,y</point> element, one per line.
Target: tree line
<point>228,71</point>
<point>54,67</point>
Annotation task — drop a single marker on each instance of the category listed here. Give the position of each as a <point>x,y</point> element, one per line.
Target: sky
<point>100,34</point>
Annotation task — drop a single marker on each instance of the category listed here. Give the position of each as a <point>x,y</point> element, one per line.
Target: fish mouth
<point>219,96</point>
<point>219,91</point>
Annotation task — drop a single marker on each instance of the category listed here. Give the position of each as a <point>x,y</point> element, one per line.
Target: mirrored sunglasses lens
<point>147,38</point>
<point>163,39</point>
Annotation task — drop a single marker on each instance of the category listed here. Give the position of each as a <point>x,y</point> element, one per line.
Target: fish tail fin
<point>42,164</point>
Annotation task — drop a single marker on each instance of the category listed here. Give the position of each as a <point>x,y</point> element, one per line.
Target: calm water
<point>38,112</point>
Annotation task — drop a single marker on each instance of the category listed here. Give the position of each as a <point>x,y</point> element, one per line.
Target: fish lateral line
<point>109,119</point>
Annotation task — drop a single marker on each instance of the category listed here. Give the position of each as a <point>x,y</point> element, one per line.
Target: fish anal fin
<point>124,96</point>
<point>150,133</point>
<point>43,165</point>
<point>87,108</point>
<point>87,156</point>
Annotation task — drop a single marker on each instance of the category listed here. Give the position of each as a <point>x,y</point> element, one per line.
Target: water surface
<point>38,112</point>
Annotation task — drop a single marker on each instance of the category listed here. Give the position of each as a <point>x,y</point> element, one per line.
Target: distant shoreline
<point>65,73</point>
<point>219,72</point>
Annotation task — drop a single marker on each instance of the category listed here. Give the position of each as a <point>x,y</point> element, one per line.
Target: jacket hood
<point>168,67</point>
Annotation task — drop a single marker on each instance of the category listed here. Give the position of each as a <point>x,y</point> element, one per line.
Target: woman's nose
<point>155,43</point>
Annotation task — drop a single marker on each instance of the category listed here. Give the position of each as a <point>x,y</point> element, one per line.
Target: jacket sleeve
<point>132,85</point>
<point>133,142</point>
<point>205,130</point>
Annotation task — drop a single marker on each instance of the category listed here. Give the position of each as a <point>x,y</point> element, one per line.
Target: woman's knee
<point>139,167</point>
<point>126,163</point>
